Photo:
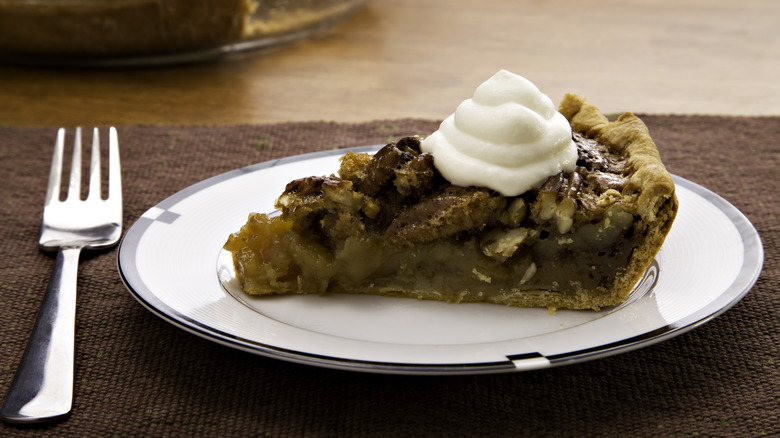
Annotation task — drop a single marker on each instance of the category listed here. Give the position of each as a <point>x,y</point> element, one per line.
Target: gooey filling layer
<point>390,222</point>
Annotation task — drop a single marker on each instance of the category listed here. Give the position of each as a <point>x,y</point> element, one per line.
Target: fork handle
<point>42,388</point>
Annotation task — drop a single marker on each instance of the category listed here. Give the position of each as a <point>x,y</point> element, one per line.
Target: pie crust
<point>390,224</point>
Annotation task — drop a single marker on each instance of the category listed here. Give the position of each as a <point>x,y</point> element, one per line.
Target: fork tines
<point>53,191</point>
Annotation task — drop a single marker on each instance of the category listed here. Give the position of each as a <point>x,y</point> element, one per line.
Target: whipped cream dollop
<point>508,137</point>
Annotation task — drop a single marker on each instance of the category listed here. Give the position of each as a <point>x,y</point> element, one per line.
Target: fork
<point>42,388</point>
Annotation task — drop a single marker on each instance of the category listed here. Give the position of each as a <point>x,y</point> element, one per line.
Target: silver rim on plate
<point>171,261</point>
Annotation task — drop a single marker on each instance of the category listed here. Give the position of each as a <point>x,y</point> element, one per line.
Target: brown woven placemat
<point>137,375</point>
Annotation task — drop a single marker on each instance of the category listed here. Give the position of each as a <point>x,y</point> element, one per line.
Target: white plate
<point>172,262</point>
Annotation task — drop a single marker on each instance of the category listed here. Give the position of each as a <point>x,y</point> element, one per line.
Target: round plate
<point>172,262</point>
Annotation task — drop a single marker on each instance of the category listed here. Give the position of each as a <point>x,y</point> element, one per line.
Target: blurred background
<point>378,60</point>
<point>201,87</point>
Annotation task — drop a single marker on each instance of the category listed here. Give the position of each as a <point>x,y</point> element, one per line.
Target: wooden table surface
<point>419,59</point>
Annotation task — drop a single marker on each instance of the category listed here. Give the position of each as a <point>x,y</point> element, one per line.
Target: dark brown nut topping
<point>557,200</point>
<point>452,211</point>
<point>303,187</point>
<point>604,181</point>
<point>382,166</point>
<point>409,144</point>
<point>310,190</point>
<point>415,178</point>
<point>553,184</point>
<point>563,186</point>
<point>572,187</point>
<point>590,156</point>
<point>407,199</point>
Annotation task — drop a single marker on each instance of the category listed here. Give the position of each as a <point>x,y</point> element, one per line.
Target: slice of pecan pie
<point>391,224</point>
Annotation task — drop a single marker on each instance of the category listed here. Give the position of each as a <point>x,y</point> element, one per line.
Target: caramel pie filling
<point>390,224</point>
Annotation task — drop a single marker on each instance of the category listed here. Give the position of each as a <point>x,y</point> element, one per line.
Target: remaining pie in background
<point>509,202</point>
<point>111,28</point>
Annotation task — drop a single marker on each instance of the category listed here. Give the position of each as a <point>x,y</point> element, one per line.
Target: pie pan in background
<point>147,32</point>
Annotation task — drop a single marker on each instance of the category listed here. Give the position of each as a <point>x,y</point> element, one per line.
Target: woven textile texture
<point>137,375</point>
